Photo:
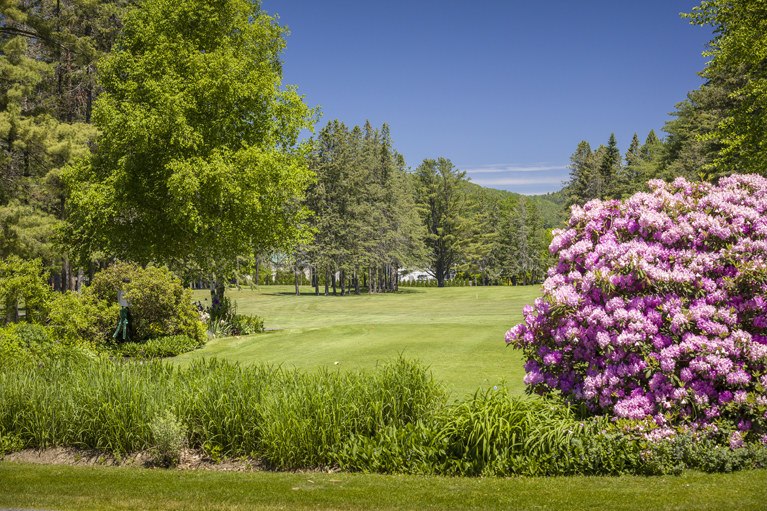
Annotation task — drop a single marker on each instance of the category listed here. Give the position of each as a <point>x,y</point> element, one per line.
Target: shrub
<point>169,437</point>
<point>393,419</point>
<point>222,319</point>
<point>159,347</point>
<point>657,307</point>
<point>23,281</point>
<point>160,306</point>
<point>83,319</point>
<point>9,443</point>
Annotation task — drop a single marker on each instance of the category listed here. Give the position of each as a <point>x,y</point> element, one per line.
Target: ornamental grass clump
<point>657,308</point>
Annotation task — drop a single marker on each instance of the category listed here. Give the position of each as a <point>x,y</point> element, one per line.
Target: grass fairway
<point>101,488</point>
<point>457,331</point>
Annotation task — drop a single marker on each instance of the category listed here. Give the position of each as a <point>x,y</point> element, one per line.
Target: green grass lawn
<point>95,488</point>
<point>456,331</point>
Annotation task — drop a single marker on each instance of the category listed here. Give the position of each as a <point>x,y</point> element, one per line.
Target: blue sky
<point>505,89</point>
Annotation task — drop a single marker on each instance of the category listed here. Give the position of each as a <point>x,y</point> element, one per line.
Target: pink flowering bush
<point>658,308</point>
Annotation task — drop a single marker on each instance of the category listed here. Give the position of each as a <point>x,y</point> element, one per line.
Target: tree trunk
<point>356,283</point>
<point>12,311</point>
<point>395,278</point>
<point>369,280</point>
<point>256,276</point>
<point>296,276</point>
<point>333,281</point>
<point>343,282</point>
<point>67,279</point>
<point>316,277</point>
<point>217,289</point>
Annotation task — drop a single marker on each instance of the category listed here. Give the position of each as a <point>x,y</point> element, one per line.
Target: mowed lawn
<point>458,332</point>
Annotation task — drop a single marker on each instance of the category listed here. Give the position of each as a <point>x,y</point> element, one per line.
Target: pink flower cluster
<point>658,307</point>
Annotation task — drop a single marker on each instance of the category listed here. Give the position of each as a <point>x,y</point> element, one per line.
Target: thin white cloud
<point>508,181</point>
<point>499,169</point>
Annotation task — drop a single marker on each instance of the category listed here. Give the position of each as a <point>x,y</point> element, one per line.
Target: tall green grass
<point>394,419</point>
<point>288,418</point>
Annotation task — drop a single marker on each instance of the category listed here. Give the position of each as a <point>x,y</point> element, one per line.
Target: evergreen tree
<point>692,146</point>
<point>609,167</point>
<point>582,175</point>
<point>441,204</point>
<point>48,53</point>
<point>481,239</point>
<point>365,222</point>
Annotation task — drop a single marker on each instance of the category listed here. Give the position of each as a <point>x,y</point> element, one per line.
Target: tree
<point>441,204</point>
<point>48,54</point>
<point>739,64</point>
<point>521,242</point>
<point>198,158</point>
<point>609,167</point>
<point>582,175</point>
<point>692,145</point>
<point>364,217</point>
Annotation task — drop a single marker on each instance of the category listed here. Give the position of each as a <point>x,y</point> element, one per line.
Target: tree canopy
<point>198,158</point>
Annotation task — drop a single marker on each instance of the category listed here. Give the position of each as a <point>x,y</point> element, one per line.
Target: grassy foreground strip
<point>457,332</point>
<point>83,488</point>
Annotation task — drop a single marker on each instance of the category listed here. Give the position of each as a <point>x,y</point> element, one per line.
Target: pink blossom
<point>661,305</point>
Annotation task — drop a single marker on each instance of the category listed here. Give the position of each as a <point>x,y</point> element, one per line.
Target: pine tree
<point>441,204</point>
<point>582,175</point>
<point>48,54</point>
<point>609,167</point>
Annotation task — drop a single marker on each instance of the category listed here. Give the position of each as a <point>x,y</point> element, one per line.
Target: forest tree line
<point>121,138</point>
<point>77,117</point>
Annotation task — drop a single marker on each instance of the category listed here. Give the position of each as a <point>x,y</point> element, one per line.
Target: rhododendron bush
<point>657,308</point>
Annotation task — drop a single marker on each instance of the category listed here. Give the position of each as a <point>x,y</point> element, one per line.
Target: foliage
<point>290,419</point>
<point>160,347</point>
<point>48,54</point>
<point>738,65</point>
<point>197,159</point>
<point>9,443</point>
<point>169,437</point>
<point>657,308</point>
<point>159,304</point>
<point>222,319</point>
<point>393,420</point>
<point>441,205</point>
<point>364,220</point>
<point>81,318</point>
<point>23,281</point>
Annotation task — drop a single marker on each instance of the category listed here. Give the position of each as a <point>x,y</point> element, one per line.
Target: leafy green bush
<point>168,346</point>
<point>159,304</point>
<point>11,348</point>
<point>83,319</point>
<point>246,325</point>
<point>169,436</point>
<point>9,443</point>
<point>27,282</point>
<point>223,321</point>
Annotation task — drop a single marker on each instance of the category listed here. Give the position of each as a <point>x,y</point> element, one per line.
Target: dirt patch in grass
<point>189,460</point>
